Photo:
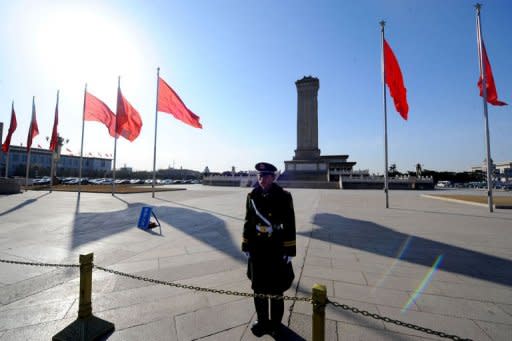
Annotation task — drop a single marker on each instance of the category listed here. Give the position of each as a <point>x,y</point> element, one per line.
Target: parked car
<point>70,181</point>
<point>45,180</point>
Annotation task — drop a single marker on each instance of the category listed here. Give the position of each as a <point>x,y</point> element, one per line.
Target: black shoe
<point>259,328</point>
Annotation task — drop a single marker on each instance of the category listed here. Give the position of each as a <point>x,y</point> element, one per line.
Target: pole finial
<point>478,6</point>
<point>382,23</point>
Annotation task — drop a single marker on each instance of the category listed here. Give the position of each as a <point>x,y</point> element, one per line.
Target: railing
<point>89,327</point>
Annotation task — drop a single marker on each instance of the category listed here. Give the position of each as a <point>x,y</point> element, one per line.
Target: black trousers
<point>276,309</point>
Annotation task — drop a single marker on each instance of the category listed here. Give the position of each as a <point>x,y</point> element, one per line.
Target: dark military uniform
<point>268,237</point>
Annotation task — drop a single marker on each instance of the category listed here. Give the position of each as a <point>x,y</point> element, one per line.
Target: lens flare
<point>424,283</point>
<point>398,256</point>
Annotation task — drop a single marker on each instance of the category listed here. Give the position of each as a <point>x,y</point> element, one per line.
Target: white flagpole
<point>82,144</point>
<point>486,117</point>
<point>156,126</point>
<point>31,137</point>
<point>52,168</point>
<point>386,187</point>
<point>115,138</point>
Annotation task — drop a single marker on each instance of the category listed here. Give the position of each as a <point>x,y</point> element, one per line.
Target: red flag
<point>12,128</point>
<point>33,131</point>
<point>55,137</point>
<point>129,122</point>
<point>492,94</point>
<point>395,81</point>
<point>170,102</point>
<point>96,110</point>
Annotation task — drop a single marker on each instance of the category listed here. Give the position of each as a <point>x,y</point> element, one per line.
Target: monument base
<point>312,170</point>
<point>321,172</point>
<point>305,174</point>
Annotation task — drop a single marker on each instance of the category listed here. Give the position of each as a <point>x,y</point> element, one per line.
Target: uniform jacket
<point>276,206</point>
<point>267,270</point>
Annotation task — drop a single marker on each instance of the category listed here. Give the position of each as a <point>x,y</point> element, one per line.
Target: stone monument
<point>307,119</point>
<point>309,169</point>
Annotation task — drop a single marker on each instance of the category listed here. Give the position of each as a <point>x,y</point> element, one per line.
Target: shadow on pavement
<point>205,227</point>
<point>381,240</point>
<point>202,209</point>
<point>23,204</point>
<point>288,335</point>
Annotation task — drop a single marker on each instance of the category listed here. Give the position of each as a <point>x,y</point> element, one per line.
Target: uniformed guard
<point>269,242</point>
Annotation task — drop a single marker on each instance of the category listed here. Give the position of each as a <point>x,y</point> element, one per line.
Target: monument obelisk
<point>309,169</point>
<point>307,119</point>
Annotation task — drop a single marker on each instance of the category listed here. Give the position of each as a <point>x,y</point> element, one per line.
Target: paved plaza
<point>442,265</point>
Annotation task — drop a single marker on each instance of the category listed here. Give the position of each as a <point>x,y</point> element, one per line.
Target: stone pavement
<point>376,259</point>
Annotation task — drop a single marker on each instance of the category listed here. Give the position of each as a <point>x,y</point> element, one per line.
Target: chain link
<point>202,289</point>
<point>246,294</point>
<point>397,322</point>
<point>39,264</point>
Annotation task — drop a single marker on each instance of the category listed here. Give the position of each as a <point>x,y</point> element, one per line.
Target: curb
<point>454,200</point>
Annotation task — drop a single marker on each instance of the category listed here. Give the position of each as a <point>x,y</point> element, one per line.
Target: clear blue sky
<point>234,63</point>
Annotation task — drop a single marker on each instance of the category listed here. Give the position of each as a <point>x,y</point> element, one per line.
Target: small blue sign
<point>145,215</point>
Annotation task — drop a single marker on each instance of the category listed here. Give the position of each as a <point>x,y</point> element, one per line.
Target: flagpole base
<point>85,329</point>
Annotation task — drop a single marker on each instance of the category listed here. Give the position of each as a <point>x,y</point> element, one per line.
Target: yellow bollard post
<point>319,301</point>
<point>87,326</point>
<point>84,300</point>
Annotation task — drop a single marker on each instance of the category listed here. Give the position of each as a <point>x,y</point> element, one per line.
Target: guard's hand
<point>287,259</point>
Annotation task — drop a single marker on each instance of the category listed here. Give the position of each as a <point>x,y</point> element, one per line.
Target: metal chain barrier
<point>246,294</point>
<point>397,322</point>
<point>197,288</point>
<point>39,264</point>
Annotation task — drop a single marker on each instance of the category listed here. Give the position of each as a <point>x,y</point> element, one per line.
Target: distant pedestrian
<point>269,242</point>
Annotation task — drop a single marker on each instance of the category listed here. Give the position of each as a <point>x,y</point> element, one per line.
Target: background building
<point>501,169</point>
<point>40,164</point>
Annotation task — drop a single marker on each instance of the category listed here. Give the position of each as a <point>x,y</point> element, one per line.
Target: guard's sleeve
<point>289,242</point>
<point>247,225</point>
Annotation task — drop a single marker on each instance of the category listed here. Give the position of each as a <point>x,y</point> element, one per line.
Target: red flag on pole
<point>96,110</point>
<point>12,128</point>
<point>170,102</point>
<point>395,81</point>
<point>129,122</point>
<point>55,137</point>
<point>492,94</point>
<point>33,131</point>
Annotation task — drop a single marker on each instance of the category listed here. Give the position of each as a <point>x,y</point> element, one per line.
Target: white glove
<point>287,259</point>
